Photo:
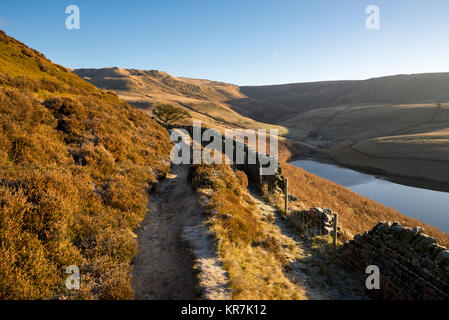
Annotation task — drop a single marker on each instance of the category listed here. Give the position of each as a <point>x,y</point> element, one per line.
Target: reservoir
<point>429,206</point>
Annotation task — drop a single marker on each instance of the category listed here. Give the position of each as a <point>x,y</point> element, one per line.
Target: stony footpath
<point>177,256</point>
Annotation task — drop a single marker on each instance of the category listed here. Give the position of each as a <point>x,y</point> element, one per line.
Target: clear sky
<point>246,42</point>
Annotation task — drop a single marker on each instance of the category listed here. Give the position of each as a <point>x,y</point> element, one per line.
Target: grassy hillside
<point>75,166</point>
<point>365,122</point>
<point>206,100</point>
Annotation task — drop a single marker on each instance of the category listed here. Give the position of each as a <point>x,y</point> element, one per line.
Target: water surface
<point>429,206</point>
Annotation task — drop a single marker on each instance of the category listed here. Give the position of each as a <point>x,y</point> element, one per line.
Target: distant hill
<point>269,104</point>
<point>297,98</point>
<point>156,83</point>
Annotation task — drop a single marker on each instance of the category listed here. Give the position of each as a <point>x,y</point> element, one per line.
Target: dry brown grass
<point>75,166</point>
<point>356,213</point>
<point>250,245</point>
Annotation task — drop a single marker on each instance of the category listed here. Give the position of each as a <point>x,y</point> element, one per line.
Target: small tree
<point>167,114</point>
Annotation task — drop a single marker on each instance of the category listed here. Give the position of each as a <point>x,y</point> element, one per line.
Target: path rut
<point>163,267</point>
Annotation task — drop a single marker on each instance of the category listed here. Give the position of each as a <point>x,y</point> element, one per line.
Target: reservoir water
<point>429,206</point>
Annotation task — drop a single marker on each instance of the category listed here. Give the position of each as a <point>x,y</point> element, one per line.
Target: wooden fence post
<point>334,245</point>
<point>286,195</point>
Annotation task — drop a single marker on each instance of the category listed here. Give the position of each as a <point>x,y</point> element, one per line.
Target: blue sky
<point>246,42</point>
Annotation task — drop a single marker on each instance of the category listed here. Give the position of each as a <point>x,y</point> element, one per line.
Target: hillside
<point>76,163</point>
<point>206,100</point>
<point>298,98</point>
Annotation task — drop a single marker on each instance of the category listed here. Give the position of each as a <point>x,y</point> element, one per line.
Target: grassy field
<point>365,122</point>
<point>76,163</point>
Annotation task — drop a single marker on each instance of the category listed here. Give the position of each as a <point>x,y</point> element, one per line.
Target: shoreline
<point>409,181</point>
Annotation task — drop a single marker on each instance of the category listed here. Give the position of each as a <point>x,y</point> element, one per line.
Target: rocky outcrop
<point>412,265</point>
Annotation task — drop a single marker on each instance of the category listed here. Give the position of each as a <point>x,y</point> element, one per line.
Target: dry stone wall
<point>412,265</point>
<point>275,182</point>
<point>316,221</point>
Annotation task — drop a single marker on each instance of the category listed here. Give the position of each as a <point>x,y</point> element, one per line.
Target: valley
<point>86,180</point>
<point>189,154</point>
<point>397,126</point>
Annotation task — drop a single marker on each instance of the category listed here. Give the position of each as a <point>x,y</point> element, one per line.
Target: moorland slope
<point>76,163</point>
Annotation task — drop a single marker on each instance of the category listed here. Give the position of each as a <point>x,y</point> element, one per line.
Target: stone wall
<point>412,265</point>
<point>316,221</point>
<point>275,182</point>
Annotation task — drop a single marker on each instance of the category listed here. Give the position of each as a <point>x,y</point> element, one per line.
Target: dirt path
<point>177,256</point>
<point>163,267</point>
